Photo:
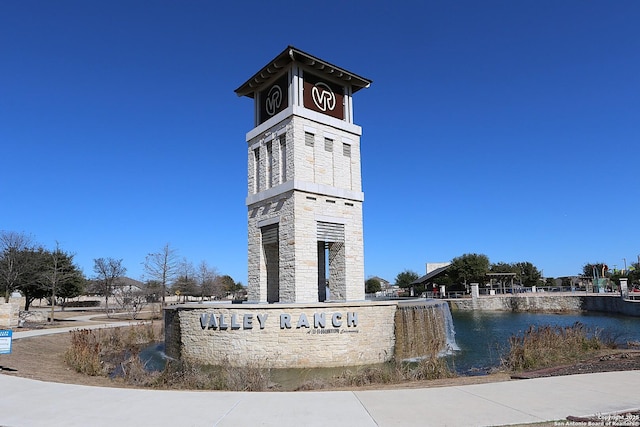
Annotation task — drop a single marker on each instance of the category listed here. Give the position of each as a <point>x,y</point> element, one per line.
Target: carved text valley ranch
<point>233,321</point>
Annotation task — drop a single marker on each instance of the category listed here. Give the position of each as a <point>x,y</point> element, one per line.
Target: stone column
<point>9,314</point>
<point>624,289</point>
<point>475,291</point>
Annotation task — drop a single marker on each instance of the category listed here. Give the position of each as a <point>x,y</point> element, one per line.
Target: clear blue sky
<point>508,128</point>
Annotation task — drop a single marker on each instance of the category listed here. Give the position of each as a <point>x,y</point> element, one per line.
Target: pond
<point>483,336</point>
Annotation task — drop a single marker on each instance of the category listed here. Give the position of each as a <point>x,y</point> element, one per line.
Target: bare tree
<point>162,267</point>
<point>206,280</point>
<point>108,271</point>
<point>59,270</point>
<point>131,296</point>
<point>185,282</point>
<point>12,244</point>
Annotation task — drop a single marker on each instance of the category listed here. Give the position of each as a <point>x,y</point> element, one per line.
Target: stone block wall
<point>332,164</point>
<point>607,303</point>
<point>521,302</point>
<point>309,184</point>
<point>253,334</point>
<point>9,314</point>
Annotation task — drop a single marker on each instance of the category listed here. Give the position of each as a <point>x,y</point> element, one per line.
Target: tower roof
<point>292,54</point>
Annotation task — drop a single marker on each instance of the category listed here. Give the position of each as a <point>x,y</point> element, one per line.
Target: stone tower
<point>304,182</point>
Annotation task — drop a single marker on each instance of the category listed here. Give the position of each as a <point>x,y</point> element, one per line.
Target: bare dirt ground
<point>42,358</point>
<point>607,361</point>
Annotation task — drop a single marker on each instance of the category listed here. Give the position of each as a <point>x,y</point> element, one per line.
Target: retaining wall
<point>552,303</point>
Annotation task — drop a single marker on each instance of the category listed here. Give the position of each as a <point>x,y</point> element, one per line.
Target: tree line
<point>40,273</point>
<point>475,268</point>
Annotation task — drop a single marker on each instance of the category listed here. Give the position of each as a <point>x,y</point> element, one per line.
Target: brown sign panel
<point>274,98</point>
<point>323,97</point>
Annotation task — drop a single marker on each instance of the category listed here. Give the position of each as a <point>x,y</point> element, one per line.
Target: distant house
<point>94,287</point>
<point>387,289</point>
<point>384,284</point>
<point>127,284</point>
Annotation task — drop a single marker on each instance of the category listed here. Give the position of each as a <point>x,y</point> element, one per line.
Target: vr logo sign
<point>274,99</point>
<point>323,97</point>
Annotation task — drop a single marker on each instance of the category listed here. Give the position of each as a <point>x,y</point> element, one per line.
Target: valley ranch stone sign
<point>317,325</point>
<point>282,335</point>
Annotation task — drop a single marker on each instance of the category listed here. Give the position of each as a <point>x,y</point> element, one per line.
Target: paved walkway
<point>84,318</point>
<point>25,402</point>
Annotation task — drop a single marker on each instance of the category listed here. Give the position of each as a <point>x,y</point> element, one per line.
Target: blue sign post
<point>5,341</point>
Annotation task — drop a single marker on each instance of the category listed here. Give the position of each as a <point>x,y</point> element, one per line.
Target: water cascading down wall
<point>423,329</point>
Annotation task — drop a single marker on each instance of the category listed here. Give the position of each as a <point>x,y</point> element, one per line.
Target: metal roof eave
<point>435,273</point>
<point>292,54</point>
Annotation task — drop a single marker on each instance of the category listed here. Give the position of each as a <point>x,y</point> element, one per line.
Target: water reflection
<point>153,357</point>
<point>483,336</point>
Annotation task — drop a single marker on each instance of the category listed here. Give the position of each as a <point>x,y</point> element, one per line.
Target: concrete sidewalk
<point>25,402</point>
<point>87,323</point>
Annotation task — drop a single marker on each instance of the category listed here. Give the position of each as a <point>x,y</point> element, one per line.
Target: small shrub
<point>80,304</point>
<point>84,353</point>
<point>134,372</point>
<point>361,376</point>
<point>431,368</point>
<point>249,378</point>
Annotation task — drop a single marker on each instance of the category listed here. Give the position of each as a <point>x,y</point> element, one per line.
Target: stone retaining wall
<point>612,305</point>
<point>608,303</point>
<point>282,335</point>
<point>522,302</point>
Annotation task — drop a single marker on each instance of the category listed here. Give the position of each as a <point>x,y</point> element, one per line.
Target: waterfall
<point>449,329</point>
<point>423,328</point>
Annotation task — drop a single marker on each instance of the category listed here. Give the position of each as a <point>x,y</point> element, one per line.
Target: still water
<point>483,336</point>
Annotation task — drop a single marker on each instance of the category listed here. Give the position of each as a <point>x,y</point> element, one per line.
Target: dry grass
<point>430,368</point>
<point>115,352</point>
<point>545,346</point>
<point>181,375</point>
<point>93,352</point>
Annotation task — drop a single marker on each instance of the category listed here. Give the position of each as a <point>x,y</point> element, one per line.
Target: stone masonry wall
<point>371,340</point>
<point>520,302</point>
<point>336,165</point>
<point>9,314</point>
<point>319,165</point>
<point>554,303</point>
